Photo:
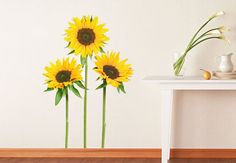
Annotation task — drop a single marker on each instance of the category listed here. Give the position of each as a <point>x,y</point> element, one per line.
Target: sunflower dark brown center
<point>86,36</point>
<point>63,76</point>
<point>111,71</point>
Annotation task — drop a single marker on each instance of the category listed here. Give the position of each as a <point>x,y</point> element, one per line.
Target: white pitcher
<point>226,64</point>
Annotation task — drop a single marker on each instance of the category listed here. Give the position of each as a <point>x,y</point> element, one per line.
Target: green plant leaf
<point>80,84</point>
<point>97,78</point>
<point>75,91</point>
<point>101,50</point>
<point>65,91</point>
<point>49,89</point>
<point>122,88</point>
<point>59,96</point>
<point>83,60</point>
<point>102,86</point>
<point>47,82</point>
<point>71,52</point>
<point>118,89</point>
<point>68,45</point>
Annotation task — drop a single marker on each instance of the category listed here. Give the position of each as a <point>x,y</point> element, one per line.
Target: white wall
<point>147,32</point>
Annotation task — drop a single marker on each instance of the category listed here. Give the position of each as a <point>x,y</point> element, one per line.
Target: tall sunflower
<point>62,76</point>
<point>85,36</point>
<point>111,71</point>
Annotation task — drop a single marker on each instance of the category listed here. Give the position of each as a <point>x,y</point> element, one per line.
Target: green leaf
<point>68,45</point>
<point>83,60</point>
<point>80,84</point>
<point>75,91</point>
<point>118,89</point>
<point>97,78</point>
<point>102,86</point>
<point>65,91</point>
<point>122,88</point>
<point>101,50</point>
<point>71,52</point>
<point>59,96</point>
<point>47,82</point>
<point>49,89</point>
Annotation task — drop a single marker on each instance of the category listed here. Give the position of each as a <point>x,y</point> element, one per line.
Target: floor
<point>38,160</point>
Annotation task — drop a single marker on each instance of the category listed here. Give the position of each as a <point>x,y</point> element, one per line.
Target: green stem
<point>198,32</point>
<point>179,68</point>
<point>179,60</point>
<point>179,63</point>
<point>103,117</point>
<point>204,34</point>
<point>85,102</point>
<point>67,119</point>
<point>208,38</point>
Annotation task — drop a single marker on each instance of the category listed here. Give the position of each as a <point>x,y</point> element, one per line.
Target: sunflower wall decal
<point>85,37</point>
<point>63,76</point>
<point>112,71</point>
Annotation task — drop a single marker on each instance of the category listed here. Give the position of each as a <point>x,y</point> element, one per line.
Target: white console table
<point>167,86</point>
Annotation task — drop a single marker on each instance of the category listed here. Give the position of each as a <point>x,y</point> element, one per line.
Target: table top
<point>191,83</point>
<point>187,79</point>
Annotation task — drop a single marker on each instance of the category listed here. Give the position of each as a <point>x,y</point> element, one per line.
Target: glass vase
<point>182,72</point>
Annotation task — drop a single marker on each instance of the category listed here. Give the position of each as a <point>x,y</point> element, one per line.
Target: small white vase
<point>183,70</point>
<point>226,64</point>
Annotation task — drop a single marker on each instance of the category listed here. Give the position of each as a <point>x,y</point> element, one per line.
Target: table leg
<point>166,109</point>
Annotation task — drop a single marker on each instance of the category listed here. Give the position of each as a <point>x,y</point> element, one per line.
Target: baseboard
<point>113,153</point>
<point>79,153</point>
<point>203,153</point>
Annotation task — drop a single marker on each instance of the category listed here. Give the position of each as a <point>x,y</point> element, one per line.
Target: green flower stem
<point>103,117</point>
<point>208,38</point>
<point>179,66</point>
<point>193,42</point>
<point>67,119</point>
<point>205,34</point>
<point>195,35</point>
<point>180,62</point>
<point>85,102</point>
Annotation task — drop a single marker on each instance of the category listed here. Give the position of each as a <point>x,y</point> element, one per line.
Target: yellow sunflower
<point>86,36</point>
<point>63,73</point>
<point>113,70</point>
